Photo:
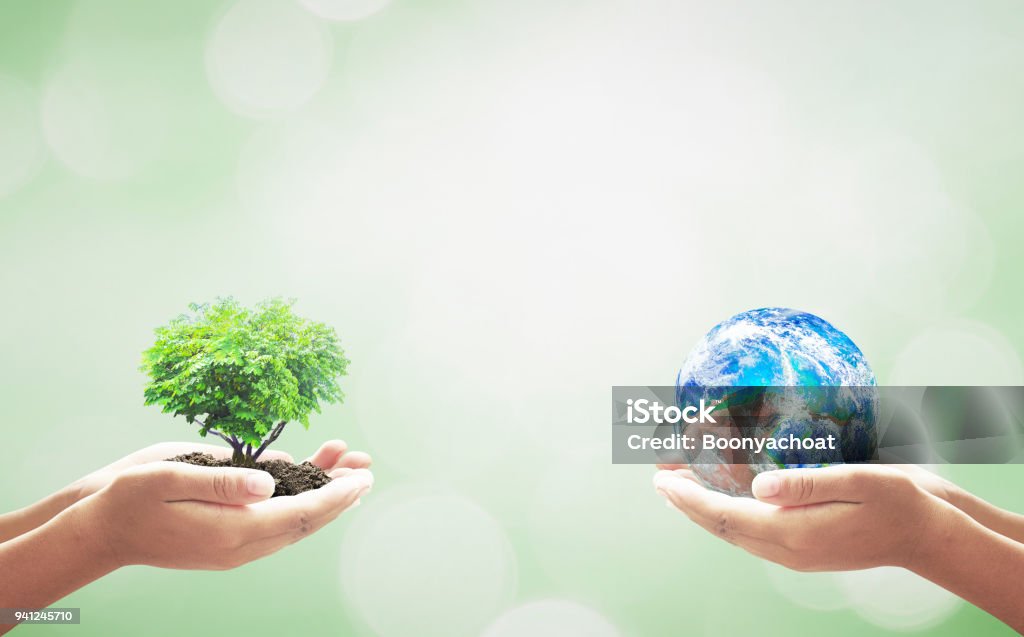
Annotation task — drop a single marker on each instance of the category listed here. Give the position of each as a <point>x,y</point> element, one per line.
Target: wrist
<point>89,532</point>
<point>942,525</point>
<point>960,498</point>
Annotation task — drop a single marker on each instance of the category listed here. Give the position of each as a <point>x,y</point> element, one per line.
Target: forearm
<point>35,515</point>
<point>999,520</point>
<point>46,564</point>
<point>978,564</point>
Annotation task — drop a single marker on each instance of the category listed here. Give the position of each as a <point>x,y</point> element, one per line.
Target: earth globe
<point>783,374</point>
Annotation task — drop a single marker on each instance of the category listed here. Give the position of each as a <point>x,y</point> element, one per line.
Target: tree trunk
<point>240,459</point>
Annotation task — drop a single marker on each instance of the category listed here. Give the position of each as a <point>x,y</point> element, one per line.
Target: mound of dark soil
<point>289,479</point>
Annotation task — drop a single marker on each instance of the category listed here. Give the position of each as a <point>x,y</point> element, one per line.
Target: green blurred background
<point>505,208</point>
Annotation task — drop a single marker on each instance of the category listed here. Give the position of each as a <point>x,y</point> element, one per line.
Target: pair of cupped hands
<point>836,518</point>
<point>143,510</point>
<point>140,510</point>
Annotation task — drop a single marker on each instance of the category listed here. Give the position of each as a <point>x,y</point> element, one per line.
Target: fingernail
<point>765,485</point>
<point>259,483</point>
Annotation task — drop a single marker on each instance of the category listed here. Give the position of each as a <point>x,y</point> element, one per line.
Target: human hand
<point>1006,523</point>
<point>877,515</point>
<point>176,515</point>
<point>332,455</point>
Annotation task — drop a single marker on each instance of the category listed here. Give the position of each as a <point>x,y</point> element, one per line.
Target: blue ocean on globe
<point>777,372</point>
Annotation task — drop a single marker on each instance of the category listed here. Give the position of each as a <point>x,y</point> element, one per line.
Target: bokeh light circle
<point>344,10</point>
<point>426,559</point>
<point>266,57</point>
<point>104,118</point>
<point>289,169</point>
<point>551,617</point>
<point>816,591</point>
<point>585,507</point>
<point>964,353</point>
<point>897,599</point>
<point>898,185</point>
<point>22,150</point>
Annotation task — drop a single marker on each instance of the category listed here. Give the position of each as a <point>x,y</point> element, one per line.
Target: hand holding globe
<point>780,373</point>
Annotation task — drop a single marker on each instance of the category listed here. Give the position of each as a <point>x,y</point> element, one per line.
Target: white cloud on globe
<point>897,599</point>
<point>344,10</point>
<point>437,557</point>
<point>267,57</point>
<point>22,150</point>
<point>551,617</point>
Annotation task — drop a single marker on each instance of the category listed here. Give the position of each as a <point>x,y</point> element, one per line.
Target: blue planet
<point>780,373</point>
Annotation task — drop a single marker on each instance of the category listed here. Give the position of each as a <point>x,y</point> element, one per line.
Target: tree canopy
<point>243,373</point>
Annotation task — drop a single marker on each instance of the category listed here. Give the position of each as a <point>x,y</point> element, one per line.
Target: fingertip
<point>689,476</point>
<point>356,460</point>
<point>766,485</point>
<point>335,446</point>
<point>663,475</point>
<point>362,475</point>
<point>260,484</point>
<point>671,467</point>
<point>677,485</point>
<point>347,479</point>
<point>329,453</point>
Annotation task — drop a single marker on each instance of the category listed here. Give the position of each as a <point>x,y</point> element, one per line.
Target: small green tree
<point>243,373</point>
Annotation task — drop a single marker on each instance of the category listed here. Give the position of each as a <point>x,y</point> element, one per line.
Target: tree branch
<point>219,435</point>
<point>231,441</point>
<point>271,438</point>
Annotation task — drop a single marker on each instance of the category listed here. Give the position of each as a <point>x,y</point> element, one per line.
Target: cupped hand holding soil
<point>291,478</point>
<point>179,515</point>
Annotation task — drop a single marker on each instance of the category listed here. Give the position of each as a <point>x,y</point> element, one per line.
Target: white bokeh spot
<point>344,10</point>
<point>267,57</point>
<point>816,591</point>
<point>104,120</point>
<point>962,353</point>
<point>585,507</point>
<point>551,617</point>
<point>897,599</point>
<point>22,150</point>
<point>423,559</point>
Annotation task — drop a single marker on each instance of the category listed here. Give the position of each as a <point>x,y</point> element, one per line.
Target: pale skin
<point>898,515</point>
<point>141,510</point>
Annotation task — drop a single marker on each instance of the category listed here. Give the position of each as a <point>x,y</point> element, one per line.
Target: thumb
<point>224,485</point>
<point>798,487</point>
